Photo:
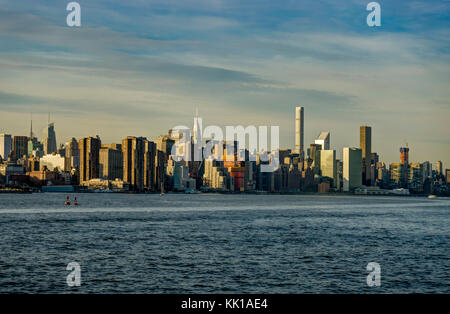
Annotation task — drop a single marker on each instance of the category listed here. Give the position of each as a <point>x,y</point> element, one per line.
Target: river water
<point>208,243</point>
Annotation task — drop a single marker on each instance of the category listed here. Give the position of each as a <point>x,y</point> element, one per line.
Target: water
<point>224,243</point>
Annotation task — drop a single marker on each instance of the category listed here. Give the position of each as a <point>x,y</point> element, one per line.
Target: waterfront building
<point>398,172</point>
<point>352,166</point>
<point>216,176</point>
<point>133,149</point>
<point>111,162</point>
<point>89,158</point>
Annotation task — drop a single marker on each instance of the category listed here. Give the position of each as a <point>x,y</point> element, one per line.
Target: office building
<point>50,139</point>
<point>352,166</point>
<point>20,147</point>
<point>328,165</point>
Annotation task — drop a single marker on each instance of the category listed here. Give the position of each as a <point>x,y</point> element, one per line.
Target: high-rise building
<point>50,139</point>
<point>427,170</point>
<point>20,147</point>
<point>314,154</point>
<point>5,146</point>
<point>149,165</point>
<point>439,167</point>
<point>365,140</point>
<point>365,143</point>
<point>404,155</point>
<point>328,165</point>
<point>415,177</point>
<point>89,158</point>
<point>164,144</point>
<point>398,175</point>
<point>133,149</point>
<point>447,175</point>
<point>35,148</point>
<point>73,153</point>
<point>110,162</point>
<point>324,140</point>
<point>299,130</point>
<point>352,165</point>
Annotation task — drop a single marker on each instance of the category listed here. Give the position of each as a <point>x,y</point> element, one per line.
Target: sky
<point>142,67</point>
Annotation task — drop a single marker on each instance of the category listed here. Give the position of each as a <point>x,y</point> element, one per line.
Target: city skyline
<point>140,68</point>
<point>339,150</point>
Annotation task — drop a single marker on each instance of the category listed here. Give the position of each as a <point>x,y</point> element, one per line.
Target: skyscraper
<point>73,153</point>
<point>324,140</point>
<point>111,162</point>
<point>20,147</point>
<point>365,140</point>
<point>299,130</point>
<point>404,158</point>
<point>89,158</point>
<point>365,143</point>
<point>328,165</point>
<point>5,146</point>
<point>133,150</point>
<point>50,139</point>
<point>439,167</point>
<point>352,165</point>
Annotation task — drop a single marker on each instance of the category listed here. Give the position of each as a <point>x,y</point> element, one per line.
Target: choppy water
<point>224,243</point>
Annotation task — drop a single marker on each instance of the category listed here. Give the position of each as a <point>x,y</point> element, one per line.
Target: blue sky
<point>142,67</point>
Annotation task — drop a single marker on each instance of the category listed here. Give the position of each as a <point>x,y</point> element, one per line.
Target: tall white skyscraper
<point>324,140</point>
<point>299,130</point>
<point>352,168</point>
<point>5,145</point>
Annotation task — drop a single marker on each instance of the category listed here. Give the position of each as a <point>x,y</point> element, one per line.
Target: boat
<point>432,196</point>
<point>67,202</point>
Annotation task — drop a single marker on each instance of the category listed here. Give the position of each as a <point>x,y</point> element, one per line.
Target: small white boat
<point>432,196</point>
